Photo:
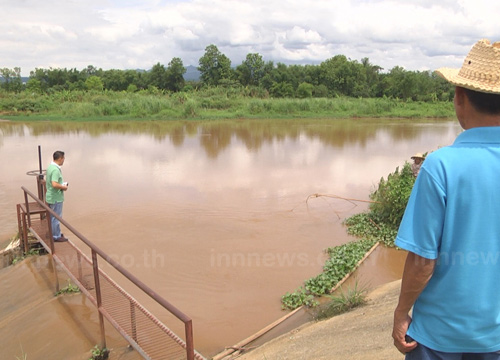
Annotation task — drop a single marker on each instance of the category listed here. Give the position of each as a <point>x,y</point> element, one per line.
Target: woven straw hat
<point>417,156</point>
<point>480,70</point>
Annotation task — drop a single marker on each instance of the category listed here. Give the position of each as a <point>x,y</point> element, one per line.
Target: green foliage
<point>381,223</point>
<point>334,77</point>
<point>391,196</point>
<point>214,66</point>
<point>345,301</point>
<point>342,260</point>
<point>251,71</point>
<point>362,226</point>
<point>378,225</point>
<point>68,289</point>
<point>297,299</point>
<point>94,83</point>
<point>206,103</point>
<point>175,75</point>
<point>31,252</point>
<point>305,90</point>
<point>99,354</point>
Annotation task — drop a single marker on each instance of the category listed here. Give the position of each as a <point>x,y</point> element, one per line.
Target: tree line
<point>337,76</point>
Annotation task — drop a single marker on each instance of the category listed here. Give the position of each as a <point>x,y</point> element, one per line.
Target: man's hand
<point>401,324</point>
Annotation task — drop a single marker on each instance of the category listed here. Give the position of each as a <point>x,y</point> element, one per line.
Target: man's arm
<point>417,273</point>
<point>56,185</point>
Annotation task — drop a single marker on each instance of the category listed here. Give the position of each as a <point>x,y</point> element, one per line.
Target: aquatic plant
<point>379,224</point>
<point>68,289</point>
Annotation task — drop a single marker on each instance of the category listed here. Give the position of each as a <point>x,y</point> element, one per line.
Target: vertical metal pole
<point>25,234</point>
<point>20,226</point>
<point>133,321</point>
<point>41,195</point>
<point>27,208</point>
<point>98,297</point>
<point>49,231</point>
<point>80,273</point>
<point>189,340</point>
<point>40,161</point>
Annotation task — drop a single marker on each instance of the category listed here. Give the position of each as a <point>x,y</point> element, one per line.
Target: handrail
<point>141,285</point>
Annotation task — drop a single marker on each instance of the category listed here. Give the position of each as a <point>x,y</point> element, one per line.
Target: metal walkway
<point>145,333</point>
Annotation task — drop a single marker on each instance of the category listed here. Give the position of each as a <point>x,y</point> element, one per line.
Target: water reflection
<point>221,203</point>
<point>216,136</point>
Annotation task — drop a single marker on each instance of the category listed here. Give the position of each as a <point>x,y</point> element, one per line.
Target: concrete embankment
<point>362,334</point>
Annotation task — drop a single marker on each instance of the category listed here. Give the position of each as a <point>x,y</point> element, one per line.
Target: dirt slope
<point>363,334</point>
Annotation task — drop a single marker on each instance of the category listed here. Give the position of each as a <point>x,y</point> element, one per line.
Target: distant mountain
<point>192,73</point>
<point>23,79</point>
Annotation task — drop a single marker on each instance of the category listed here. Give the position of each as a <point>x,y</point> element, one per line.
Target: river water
<point>215,215</point>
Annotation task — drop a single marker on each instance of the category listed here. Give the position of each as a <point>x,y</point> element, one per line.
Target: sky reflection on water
<point>215,199</point>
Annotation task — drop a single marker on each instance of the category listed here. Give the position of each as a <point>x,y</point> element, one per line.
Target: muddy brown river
<point>215,215</point>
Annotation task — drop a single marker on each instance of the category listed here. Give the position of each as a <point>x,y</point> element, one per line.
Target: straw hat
<point>480,70</point>
<point>417,156</point>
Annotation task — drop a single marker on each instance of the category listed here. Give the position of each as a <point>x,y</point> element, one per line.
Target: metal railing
<point>145,333</point>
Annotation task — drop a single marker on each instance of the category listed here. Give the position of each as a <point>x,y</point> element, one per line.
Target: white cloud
<point>417,35</point>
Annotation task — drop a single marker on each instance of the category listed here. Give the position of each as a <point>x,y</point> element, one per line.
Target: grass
<point>213,103</point>
<point>31,252</point>
<point>345,301</point>
<point>23,356</point>
<point>68,289</point>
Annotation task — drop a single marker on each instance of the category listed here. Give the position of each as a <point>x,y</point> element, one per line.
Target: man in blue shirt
<point>451,229</point>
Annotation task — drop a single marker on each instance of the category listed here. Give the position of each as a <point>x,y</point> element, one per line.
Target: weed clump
<point>68,289</point>
<point>345,301</point>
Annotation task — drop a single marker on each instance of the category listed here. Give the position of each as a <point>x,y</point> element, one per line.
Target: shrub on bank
<point>379,224</point>
<point>213,102</point>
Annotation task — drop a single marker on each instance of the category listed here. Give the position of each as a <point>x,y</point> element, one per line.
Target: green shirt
<point>54,174</point>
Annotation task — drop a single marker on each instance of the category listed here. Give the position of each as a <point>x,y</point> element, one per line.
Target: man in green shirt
<point>55,193</point>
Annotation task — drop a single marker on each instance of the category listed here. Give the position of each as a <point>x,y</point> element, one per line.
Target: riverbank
<point>219,103</point>
<point>362,334</point>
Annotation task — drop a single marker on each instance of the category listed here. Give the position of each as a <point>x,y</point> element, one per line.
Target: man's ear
<point>460,96</point>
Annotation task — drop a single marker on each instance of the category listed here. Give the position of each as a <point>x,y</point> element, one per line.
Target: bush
<point>392,196</point>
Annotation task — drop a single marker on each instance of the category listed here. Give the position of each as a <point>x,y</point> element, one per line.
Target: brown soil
<point>362,334</point>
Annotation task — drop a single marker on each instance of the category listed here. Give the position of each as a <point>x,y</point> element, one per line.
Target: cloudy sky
<point>131,34</point>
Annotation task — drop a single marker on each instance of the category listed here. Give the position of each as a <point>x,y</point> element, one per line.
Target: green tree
<point>305,90</point>
<point>94,83</point>
<point>158,77</point>
<point>114,80</point>
<point>401,83</point>
<point>251,71</point>
<point>41,76</point>
<point>372,74</point>
<point>175,75</point>
<point>34,86</point>
<point>214,66</point>
<point>11,79</point>
<point>281,89</point>
<point>281,82</point>
<point>343,77</point>
<point>267,76</point>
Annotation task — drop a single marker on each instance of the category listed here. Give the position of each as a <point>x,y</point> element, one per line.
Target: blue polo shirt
<point>453,215</point>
